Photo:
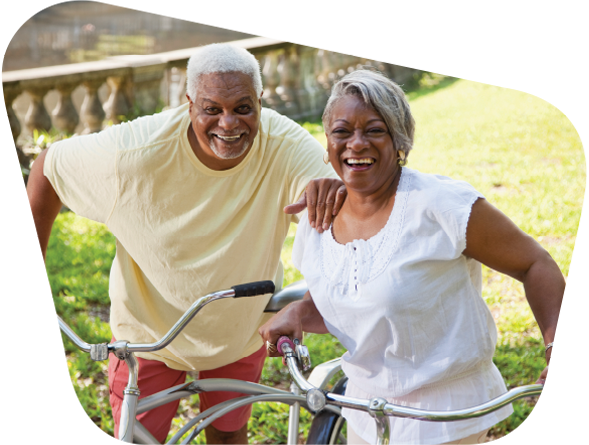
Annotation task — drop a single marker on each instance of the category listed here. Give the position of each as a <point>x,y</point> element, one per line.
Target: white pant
<point>354,439</point>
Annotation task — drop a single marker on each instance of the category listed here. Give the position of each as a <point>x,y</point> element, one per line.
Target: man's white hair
<point>221,58</point>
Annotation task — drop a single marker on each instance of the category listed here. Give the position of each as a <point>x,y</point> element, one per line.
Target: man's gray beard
<point>229,156</point>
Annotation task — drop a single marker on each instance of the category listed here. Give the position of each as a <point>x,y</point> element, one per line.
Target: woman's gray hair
<point>221,58</point>
<point>385,97</point>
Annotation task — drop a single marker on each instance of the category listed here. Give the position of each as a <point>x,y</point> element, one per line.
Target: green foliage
<point>35,144</point>
<point>91,387</point>
<point>323,348</point>
<point>520,364</point>
<point>316,129</point>
<point>291,274</point>
<point>269,423</point>
<point>79,258</point>
<point>137,111</point>
<point>78,261</point>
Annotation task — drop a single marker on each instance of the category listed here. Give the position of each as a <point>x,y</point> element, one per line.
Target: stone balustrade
<point>297,80</point>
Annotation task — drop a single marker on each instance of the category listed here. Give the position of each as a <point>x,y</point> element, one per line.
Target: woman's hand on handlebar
<point>286,322</point>
<point>292,321</point>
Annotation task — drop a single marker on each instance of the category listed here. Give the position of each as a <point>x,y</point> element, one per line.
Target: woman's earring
<point>326,158</point>
<point>401,155</point>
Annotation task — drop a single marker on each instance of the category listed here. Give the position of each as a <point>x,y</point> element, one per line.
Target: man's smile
<point>228,138</point>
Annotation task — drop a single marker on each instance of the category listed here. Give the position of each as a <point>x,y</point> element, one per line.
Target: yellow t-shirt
<point>184,230</point>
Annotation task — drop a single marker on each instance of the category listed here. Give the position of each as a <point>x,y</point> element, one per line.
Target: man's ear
<point>260,99</point>
<point>189,99</point>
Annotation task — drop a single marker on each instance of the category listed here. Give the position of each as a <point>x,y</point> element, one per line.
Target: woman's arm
<point>292,321</point>
<point>494,240</point>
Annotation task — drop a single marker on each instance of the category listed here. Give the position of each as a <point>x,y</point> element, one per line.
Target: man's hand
<point>323,198</point>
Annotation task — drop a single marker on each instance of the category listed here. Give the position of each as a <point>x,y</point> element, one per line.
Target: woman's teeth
<point>359,161</point>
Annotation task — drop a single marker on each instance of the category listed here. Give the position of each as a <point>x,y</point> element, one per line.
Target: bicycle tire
<point>327,426</point>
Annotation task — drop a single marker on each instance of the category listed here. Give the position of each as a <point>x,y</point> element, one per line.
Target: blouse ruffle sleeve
<point>450,210</point>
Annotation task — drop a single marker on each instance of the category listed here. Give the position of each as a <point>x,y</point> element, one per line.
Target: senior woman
<point>397,277</point>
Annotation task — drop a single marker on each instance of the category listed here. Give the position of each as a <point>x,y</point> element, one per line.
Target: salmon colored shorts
<point>155,376</point>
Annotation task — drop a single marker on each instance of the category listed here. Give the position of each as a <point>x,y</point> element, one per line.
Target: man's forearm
<point>44,202</point>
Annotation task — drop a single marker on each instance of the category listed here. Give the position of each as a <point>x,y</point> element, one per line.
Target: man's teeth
<point>229,138</point>
<point>360,161</point>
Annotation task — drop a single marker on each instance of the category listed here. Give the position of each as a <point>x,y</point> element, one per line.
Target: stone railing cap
<point>127,61</point>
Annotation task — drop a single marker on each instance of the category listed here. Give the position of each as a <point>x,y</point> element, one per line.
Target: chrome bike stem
<point>376,411</point>
<point>130,396</point>
<point>293,417</point>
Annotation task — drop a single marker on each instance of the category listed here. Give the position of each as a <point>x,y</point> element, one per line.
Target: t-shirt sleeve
<point>82,171</point>
<point>453,206</point>
<point>298,247</point>
<point>306,163</point>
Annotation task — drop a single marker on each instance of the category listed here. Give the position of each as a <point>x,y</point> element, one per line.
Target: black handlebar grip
<point>253,289</point>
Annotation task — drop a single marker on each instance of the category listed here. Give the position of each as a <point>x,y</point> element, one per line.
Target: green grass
<point>519,151</point>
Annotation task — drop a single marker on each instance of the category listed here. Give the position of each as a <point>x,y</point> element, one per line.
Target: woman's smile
<point>359,164</point>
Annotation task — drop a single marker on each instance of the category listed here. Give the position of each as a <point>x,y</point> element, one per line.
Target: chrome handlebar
<point>100,351</point>
<point>181,323</point>
<point>122,348</point>
<point>317,398</point>
<point>43,321</point>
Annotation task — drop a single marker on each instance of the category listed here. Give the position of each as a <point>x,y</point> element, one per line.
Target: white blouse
<point>407,306</point>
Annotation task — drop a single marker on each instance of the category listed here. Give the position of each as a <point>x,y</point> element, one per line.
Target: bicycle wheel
<point>327,427</point>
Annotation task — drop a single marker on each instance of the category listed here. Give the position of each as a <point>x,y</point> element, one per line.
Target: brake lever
<point>300,352</point>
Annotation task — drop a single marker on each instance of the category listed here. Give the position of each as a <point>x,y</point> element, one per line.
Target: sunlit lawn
<point>519,151</point>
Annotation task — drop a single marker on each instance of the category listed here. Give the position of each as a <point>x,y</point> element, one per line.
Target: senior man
<point>194,197</point>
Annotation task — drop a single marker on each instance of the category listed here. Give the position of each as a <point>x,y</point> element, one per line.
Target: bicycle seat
<point>293,292</point>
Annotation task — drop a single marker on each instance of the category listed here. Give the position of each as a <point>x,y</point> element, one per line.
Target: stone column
<point>334,67</point>
<point>65,115</point>
<point>146,87</point>
<point>271,80</point>
<point>181,86</point>
<point>309,94</point>
<point>116,104</point>
<point>304,94</point>
<point>340,65</point>
<point>37,116</point>
<point>289,76</point>
<point>12,158</point>
<point>324,75</point>
<point>91,111</point>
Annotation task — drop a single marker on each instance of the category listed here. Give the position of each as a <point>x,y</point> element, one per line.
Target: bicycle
<point>327,423</point>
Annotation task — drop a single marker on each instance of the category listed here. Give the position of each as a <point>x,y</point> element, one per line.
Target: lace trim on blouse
<point>348,267</point>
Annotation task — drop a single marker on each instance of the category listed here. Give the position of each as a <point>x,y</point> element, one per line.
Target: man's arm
<point>44,202</point>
